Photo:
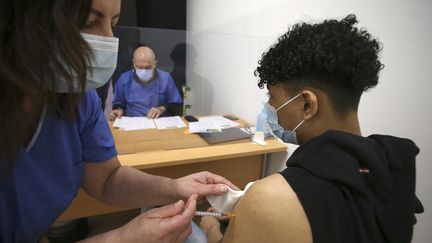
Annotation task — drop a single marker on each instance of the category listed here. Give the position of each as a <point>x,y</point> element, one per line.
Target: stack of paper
<point>169,122</point>
<point>133,123</point>
<point>211,124</point>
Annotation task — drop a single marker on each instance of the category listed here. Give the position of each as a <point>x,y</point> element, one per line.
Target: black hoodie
<point>356,189</point>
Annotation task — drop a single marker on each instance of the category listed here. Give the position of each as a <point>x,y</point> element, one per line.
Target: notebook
<point>228,134</point>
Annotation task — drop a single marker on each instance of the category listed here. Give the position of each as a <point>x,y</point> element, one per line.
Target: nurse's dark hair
<point>333,56</point>
<point>40,43</point>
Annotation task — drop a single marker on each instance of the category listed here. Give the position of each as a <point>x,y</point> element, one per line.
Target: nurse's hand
<point>117,113</point>
<point>211,226</point>
<point>155,112</point>
<point>202,183</point>
<point>171,223</point>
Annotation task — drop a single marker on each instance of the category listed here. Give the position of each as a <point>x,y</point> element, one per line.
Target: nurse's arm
<point>270,211</point>
<point>125,186</point>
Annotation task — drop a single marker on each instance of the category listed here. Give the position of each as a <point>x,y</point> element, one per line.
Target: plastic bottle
<point>261,124</point>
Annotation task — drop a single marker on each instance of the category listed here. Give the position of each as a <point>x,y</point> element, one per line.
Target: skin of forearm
<point>214,235</point>
<point>108,237</point>
<point>129,187</point>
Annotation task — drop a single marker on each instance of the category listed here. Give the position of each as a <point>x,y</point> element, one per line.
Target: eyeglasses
<point>248,130</point>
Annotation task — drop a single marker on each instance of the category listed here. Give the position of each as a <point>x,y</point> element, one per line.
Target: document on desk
<point>133,123</point>
<point>201,127</point>
<point>169,122</point>
<point>210,124</point>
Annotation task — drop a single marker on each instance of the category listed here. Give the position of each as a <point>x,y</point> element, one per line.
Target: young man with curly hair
<point>339,186</point>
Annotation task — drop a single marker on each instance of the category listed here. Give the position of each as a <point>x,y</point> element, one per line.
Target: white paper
<point>169,122</point>
<point>218,122</point>
<point>133,123</point>
<point>203,127</point>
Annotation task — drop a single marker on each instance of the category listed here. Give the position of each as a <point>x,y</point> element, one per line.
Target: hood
<point>376,173</point>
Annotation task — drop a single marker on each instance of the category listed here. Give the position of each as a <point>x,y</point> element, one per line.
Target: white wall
<point>229,36</point>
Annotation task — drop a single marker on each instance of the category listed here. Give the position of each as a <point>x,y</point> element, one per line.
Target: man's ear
<point>310,104</point>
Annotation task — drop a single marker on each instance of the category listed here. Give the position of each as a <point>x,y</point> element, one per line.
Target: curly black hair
<point>333,56</point>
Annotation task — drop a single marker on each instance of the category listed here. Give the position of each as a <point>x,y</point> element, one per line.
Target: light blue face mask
<point>102,64</point>
<point>144,74</point>
<point>272,118</point>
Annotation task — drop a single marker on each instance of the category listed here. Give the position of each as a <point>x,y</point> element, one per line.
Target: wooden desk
<point>239,162</point>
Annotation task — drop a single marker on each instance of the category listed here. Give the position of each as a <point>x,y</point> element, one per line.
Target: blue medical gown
<point>139,98</point>
<point>47,175</point>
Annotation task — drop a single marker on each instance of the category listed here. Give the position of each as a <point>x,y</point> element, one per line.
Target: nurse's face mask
<point>287,136</point>
<point>102,64</point>
<point>145,75</point>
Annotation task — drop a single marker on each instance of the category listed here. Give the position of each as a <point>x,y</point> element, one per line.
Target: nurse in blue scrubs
<point>54,138</point>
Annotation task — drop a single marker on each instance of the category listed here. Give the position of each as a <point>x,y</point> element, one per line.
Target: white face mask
<point>102,64</point>
<point>144,74</point>
<point>272,118</point>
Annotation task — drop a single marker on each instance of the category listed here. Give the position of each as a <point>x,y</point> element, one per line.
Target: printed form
<point>133,123</point>
<point>169,122</point>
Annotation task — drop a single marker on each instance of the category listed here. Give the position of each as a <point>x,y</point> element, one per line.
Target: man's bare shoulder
<point>269,212</point>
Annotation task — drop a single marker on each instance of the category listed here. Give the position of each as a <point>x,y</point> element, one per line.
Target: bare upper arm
<point>96,174</point>
<point>269,212</point>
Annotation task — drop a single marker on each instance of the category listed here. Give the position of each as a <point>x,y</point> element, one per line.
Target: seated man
<point>339,186</point>
<point>145,90</point>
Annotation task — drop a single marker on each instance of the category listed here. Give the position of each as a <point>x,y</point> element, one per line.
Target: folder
<point>226,135</point>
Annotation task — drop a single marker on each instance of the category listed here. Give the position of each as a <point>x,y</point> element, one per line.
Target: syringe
<point>215,214</point>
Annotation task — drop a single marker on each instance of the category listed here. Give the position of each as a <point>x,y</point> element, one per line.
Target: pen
<point>216,214</point>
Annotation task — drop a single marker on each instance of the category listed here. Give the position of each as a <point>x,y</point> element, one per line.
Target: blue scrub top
<point>49,171</point>
<point>139,98</point>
